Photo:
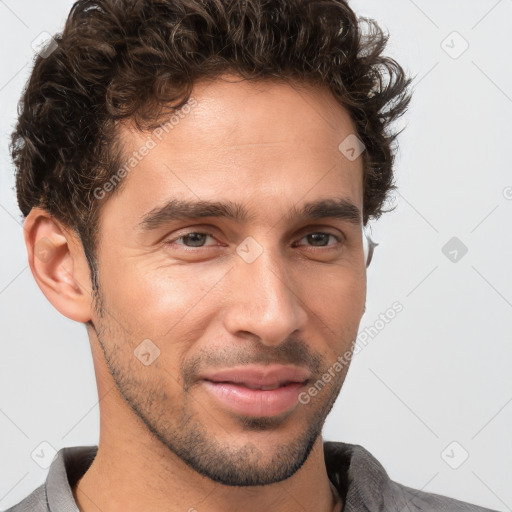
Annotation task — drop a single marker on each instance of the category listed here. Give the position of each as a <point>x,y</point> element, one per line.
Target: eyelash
<point>338,239</point>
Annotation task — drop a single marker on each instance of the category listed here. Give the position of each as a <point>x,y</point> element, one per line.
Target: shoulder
<point>34,502</point>
<point>365,485</point>
<point>405,498</point>
<point>55,494</point>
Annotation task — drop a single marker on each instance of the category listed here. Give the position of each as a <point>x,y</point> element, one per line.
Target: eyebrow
<point>176,209</point>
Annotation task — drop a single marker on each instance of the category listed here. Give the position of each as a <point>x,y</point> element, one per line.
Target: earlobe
<point>58,264</point>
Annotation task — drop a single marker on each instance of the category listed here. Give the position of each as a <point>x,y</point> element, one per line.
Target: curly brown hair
<point>139,59</point>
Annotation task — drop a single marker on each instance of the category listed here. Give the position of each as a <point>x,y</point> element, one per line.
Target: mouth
<point>255,402</point>
<point>270,387</point>
<point>257,391</point>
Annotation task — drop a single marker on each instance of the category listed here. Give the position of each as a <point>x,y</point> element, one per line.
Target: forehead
<point>257,142</point>
<point>233,115</point>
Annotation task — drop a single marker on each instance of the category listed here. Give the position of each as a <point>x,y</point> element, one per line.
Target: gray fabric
<point>360,479</point>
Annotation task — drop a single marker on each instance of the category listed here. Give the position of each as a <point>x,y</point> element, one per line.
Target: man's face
<point>269,295</point>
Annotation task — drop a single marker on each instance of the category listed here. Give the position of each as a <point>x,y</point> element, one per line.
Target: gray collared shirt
<point>360,479</point>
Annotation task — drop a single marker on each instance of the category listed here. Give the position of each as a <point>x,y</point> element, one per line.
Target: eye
<point>194,239</point>
<point>320,239</point>
<point>197,239</point>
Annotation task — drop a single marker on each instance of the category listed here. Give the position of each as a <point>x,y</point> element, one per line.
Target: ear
<point>58,264</point>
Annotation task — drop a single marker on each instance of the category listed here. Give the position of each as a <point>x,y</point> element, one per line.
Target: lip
<point>255,402</point>
<point>257,376</point>
<point>244,389</point>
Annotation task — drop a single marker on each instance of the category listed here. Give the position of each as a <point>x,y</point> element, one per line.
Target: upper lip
<point>258,377</point>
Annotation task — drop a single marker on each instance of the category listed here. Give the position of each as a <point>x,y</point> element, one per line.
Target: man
<point>195,178</point>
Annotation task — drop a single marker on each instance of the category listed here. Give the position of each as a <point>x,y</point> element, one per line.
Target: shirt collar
<point>359,477</point>
<point>69,465</point>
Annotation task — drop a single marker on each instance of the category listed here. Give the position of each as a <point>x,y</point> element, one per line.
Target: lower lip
<point>256,402</point>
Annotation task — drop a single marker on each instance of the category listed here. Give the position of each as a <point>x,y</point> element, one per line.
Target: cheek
<point>335,301</point>
<point>334,286</point>
<point>159,302</point>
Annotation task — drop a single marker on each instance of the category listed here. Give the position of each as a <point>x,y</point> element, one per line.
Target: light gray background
<point>438,373</point>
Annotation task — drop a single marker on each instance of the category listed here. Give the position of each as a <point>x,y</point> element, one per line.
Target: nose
<point>263,301</point>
